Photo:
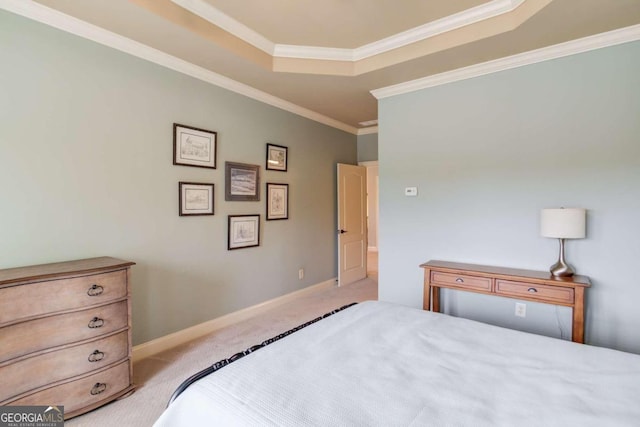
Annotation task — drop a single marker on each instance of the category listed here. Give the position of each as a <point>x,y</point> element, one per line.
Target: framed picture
<point>277,201</point>
<point>244,231</point>
<point>195,198</point>
<point>194,147</point>
<point>277,157</point>
<point>242,182</point>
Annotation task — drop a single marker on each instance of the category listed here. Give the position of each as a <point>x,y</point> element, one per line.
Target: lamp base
<point>561,269</point>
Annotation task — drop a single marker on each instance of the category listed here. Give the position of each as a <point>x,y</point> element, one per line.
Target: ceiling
<point>327,56</point>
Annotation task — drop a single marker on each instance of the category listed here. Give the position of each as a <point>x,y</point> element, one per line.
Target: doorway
<point>372,217</point>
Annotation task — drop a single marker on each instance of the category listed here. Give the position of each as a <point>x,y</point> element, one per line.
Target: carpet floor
<point>158,376</point>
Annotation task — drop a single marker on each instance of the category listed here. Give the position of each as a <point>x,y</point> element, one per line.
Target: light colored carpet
<point>157,377</point>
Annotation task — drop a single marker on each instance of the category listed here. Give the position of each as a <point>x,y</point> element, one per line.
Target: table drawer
<point>35,299</point>
<point>82,392</point>
<point>51,367</point>
<point>47,332</point>
<point>461,281</point>
<point>539,292</point>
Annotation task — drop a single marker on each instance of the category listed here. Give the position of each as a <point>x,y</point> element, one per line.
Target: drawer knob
<point>98,388</point>
<point>532,290</point>
<point>96,356</point>
<point>95,290</point>
<point>460,280</point>
<point>96,322</point>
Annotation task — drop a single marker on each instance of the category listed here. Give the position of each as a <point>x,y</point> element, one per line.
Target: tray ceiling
<point>327,56</point>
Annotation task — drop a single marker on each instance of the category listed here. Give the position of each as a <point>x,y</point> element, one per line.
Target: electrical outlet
<point>301,274</point>
<point>521,309</point>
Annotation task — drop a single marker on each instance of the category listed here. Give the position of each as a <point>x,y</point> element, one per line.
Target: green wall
<point>487,154</point>
<point>86,170</point>
<point>368,147</point>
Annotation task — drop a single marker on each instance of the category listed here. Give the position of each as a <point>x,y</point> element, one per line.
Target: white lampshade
<point>563,223</point>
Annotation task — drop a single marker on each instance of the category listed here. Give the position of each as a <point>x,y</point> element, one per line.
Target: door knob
<point>341,231</point>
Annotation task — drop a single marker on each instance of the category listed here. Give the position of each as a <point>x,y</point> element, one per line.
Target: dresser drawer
<point>461,281</point>
<point>82,392</point>
<point>51,367</point>
<point>35,299</point>
<point>539,292</point>
<point>44,333</point>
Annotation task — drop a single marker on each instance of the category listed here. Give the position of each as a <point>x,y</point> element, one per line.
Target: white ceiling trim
<point>598,41</point>
<point>479,13</point>
<point>448,23</point>
<point>61,21</point>
<point>313,52</point>
<point>227,23</point>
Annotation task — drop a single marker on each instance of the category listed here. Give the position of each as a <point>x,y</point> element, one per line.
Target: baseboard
<point>175,339</point>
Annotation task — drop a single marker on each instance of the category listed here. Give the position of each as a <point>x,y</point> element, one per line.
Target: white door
<point>352,223</point>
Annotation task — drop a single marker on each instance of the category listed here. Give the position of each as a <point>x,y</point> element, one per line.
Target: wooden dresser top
<point>59,269</point>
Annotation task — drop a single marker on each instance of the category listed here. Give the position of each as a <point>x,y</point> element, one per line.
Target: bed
<point>381,364</point>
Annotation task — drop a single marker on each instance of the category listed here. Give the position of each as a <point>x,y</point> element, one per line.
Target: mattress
<point>381,364</point>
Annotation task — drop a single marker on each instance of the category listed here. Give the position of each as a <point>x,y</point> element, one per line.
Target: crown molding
<point>476,14</point>
<point>598,41</point>
<point>227,23</point>
<point>38,12</point>
<point>448,23</point>
<point>312,52</point>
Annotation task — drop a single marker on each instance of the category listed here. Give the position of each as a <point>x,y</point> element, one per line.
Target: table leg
<point>426,296</point>
<point>435,295</point>
<point>578,316</point>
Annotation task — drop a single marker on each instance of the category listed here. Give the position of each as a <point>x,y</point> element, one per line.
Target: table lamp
<point>563,223</point>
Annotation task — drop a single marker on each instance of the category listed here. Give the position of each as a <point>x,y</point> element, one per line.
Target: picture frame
<point>277,157</point>
<point>194,146</point>
<point>195,198</point>
<point>277,201</point>
<point>242,182</point>
<point>243,231</point>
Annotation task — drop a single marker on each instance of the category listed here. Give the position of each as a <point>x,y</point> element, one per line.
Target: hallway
<point>372,265</point>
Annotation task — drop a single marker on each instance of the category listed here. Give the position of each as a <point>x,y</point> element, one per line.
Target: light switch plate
<point>411,191</point>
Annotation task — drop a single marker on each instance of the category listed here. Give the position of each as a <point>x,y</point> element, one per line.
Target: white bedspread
<point>379,364</point>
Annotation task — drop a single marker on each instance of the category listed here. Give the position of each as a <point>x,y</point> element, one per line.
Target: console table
<point>537,286</point>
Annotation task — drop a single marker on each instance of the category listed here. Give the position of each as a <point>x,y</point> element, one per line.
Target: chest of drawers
<point>538,286</point>
<point>65,334</point>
